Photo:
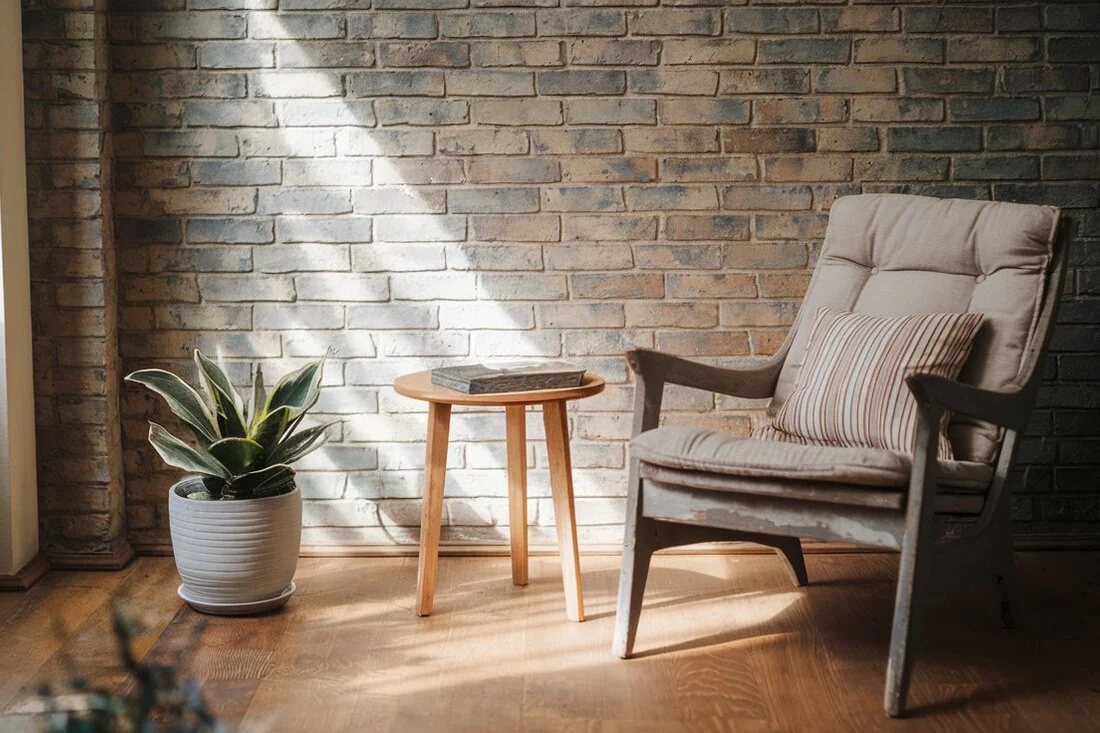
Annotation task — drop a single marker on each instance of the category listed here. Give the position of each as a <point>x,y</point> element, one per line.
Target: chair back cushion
<point>896,255</point>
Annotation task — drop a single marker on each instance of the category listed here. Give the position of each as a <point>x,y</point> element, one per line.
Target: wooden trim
<point>26,576</point>
<point>18,491</point>
<point>1055,542</point>
<point>117,558</point>
<point>541,550</point>
<point>771,515</point>
<point>1032,543</point>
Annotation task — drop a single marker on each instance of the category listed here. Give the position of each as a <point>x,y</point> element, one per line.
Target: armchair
<point>688,486</point>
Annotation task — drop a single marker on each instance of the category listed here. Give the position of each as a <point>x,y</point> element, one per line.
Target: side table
<point>440,400</point>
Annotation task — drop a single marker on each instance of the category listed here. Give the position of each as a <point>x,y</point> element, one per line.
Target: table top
<point>418,385</point>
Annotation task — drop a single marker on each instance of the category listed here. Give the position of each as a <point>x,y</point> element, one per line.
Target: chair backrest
<point>894,254</point>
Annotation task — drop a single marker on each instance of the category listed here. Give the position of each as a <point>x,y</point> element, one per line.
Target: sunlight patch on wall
<point>415,297</point>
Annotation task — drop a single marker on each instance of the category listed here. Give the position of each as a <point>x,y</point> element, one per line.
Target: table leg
<point>561,485</point>
<point>435,470</point>
<point>515,417</point>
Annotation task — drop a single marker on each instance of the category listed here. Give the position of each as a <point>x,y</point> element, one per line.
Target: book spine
<point>519,383</point>
<point>459,385</point>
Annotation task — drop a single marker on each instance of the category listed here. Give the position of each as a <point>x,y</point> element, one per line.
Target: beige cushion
<point>697,449</point>
<point>851,391</point>
<point>895,255</point>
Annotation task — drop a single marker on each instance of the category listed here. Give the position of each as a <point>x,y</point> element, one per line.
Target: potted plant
<point>237,525</point>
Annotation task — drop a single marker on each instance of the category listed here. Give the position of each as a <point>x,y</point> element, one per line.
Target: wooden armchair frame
<point>661,515</point>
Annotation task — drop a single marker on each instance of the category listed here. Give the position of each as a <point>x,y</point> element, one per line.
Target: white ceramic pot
<point>236,556</point>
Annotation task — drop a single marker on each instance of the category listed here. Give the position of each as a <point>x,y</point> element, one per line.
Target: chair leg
<point>789,550</point>
<point>638,550</point>
<point>1004,567</point>
<point>917,550</point>
<point>912,585</point>
<point>639,544</point>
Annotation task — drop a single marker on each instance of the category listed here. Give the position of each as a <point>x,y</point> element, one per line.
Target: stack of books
<point>515,376</point>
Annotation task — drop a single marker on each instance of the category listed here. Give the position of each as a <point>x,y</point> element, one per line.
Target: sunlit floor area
<point>725,644</point>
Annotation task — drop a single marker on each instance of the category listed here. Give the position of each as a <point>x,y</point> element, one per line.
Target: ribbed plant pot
<point>234,557</point>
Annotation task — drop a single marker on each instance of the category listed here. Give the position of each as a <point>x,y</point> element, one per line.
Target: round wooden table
<point>440,399</point>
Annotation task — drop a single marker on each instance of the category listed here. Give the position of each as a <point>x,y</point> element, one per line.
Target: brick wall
<point>427,182</point>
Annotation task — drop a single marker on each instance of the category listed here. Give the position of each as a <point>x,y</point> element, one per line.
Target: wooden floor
<point>725,644</point>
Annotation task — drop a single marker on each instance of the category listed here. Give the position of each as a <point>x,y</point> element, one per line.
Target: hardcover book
<point>517,376</point>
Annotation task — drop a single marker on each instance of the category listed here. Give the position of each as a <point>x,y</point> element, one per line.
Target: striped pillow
<point>851,388</point>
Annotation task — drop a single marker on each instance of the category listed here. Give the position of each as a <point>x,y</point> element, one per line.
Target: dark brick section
<point>415,182</point>
<point>934,139</point>
<point>74,278</point>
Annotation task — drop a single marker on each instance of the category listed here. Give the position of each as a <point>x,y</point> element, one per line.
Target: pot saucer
<point>216,608</point>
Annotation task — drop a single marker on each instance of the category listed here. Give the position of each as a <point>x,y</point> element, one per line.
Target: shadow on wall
<point>311,227</point>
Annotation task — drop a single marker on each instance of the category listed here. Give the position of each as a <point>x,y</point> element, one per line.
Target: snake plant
<point>244,456</point>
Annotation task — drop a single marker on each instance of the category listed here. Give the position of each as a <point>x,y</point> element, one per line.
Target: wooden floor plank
<point>701,614</point>
<point>726,644</point>
<point>62,602</point>
<point>149,592</point>
<point>644,691</point>
<point>794,680</point>
<point>10,602</point>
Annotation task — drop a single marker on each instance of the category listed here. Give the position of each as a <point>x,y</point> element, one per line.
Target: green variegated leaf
<point>230,421</point>
<point>179,454</point>
<point>294,423</point>
<point>212,371</point>
<point>298,445</point>
<point>272,427</point>
<point>270,481</point>
<point>297,390</point>
<point>183,401</point>
<point>227,403</point>
<point>259,398</point>
<point>239,455</point>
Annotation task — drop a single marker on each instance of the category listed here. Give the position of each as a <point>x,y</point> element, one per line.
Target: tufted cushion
<point>896,255</point>
<point>711,451</point>
<point>851,390</point>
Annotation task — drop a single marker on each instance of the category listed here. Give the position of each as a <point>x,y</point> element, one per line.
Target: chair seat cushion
<point>696,449</point>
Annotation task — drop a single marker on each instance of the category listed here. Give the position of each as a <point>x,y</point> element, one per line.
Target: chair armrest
<point>1006,409</point>
<point>652,370</point>
<point>757,381</point>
